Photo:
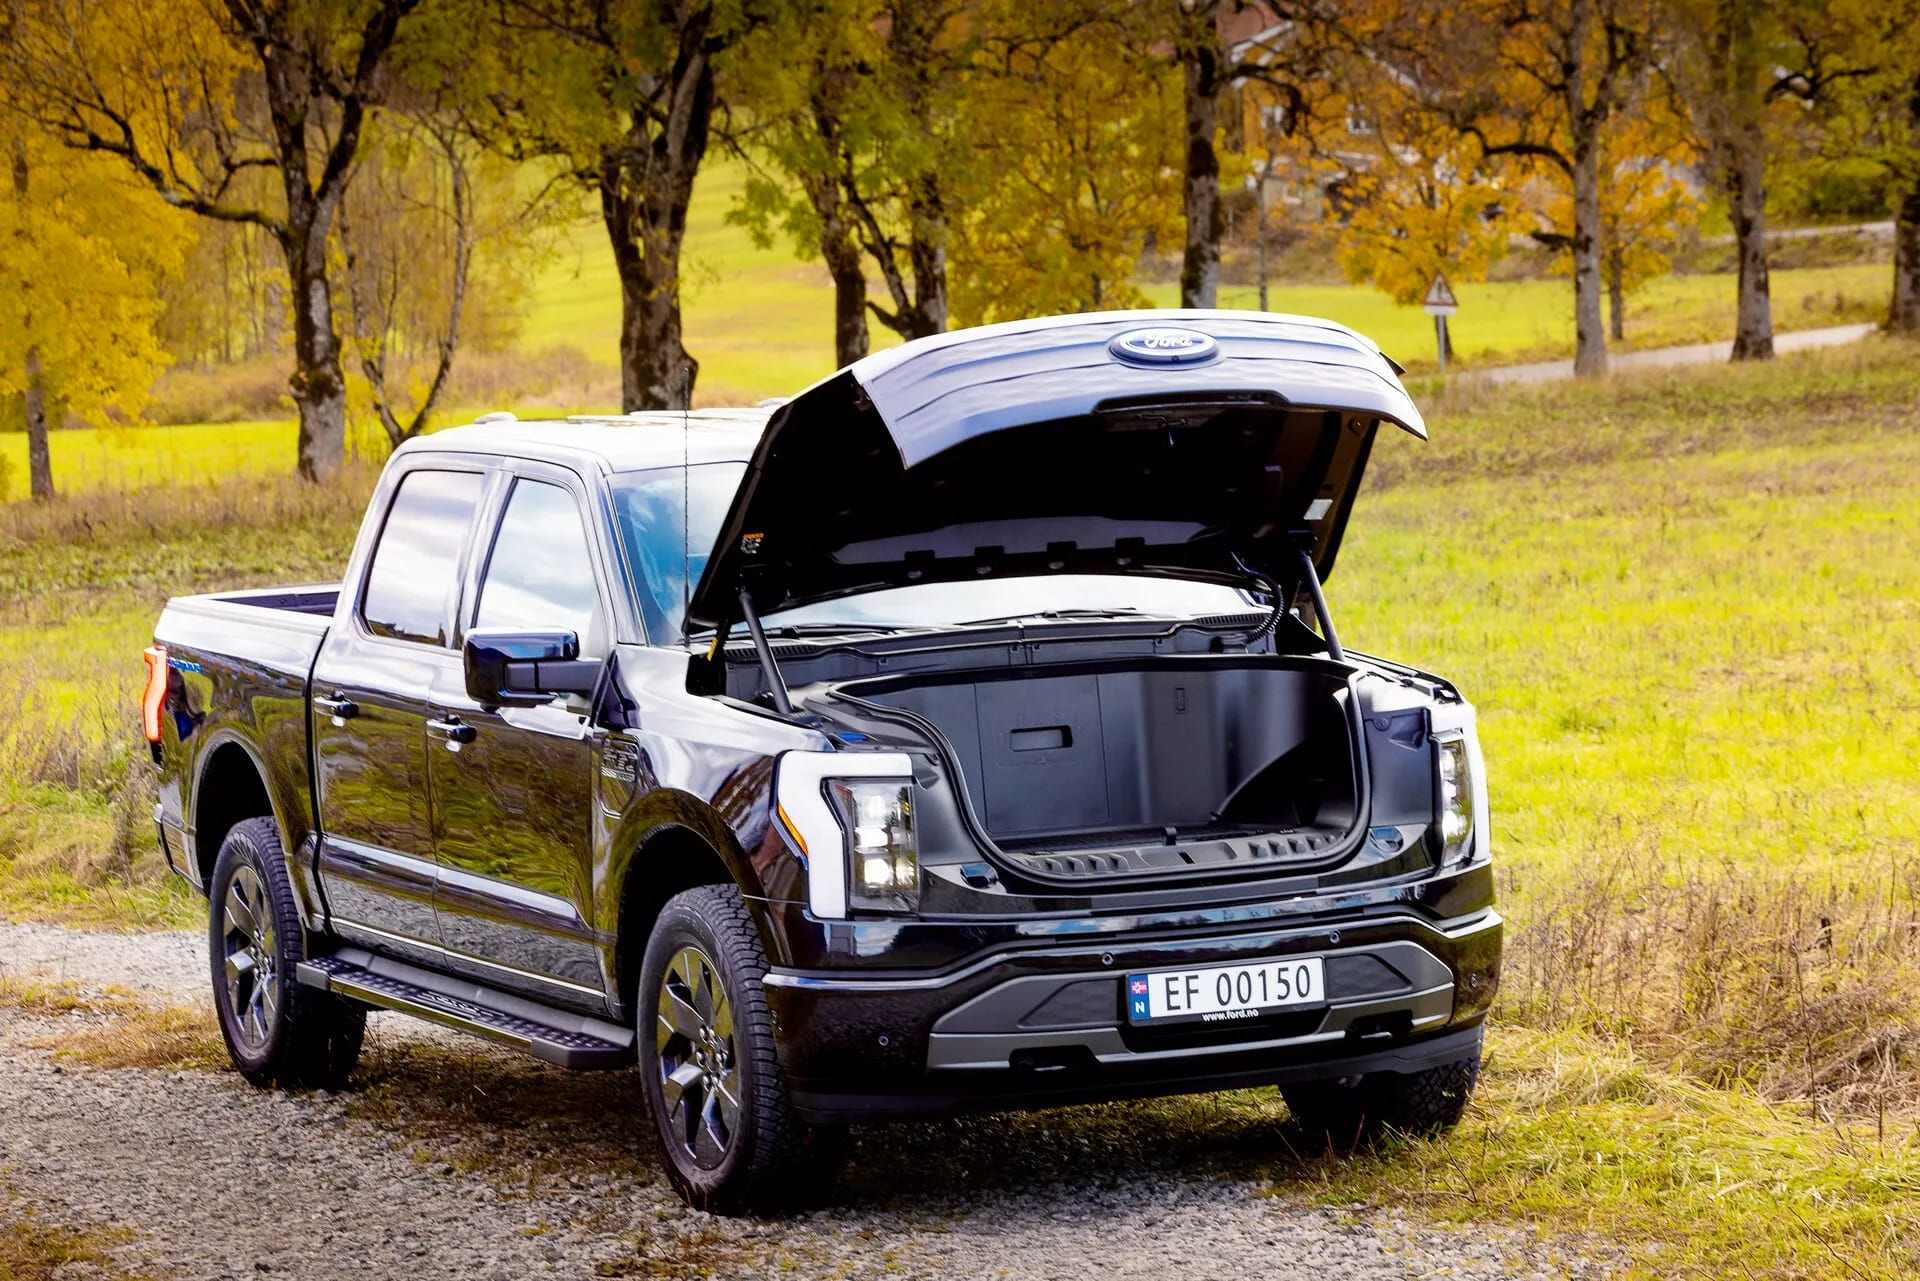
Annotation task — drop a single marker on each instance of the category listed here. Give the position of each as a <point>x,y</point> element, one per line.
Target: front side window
<point>540,575</point>
<point>669,519</point>
<point>416,565</point>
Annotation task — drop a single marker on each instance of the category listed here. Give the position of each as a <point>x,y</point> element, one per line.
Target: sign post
<point>1440,303</point>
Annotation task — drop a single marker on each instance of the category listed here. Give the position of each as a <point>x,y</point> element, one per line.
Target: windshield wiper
<point>1055,615</point>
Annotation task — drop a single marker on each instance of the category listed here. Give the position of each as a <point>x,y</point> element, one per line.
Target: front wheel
<point>277,1032</point>
<point>726,1126</point>
<point>1347,1114</point>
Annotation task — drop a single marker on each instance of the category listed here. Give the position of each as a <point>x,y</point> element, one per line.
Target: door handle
<point>338,706</point>
<point>454,730</point>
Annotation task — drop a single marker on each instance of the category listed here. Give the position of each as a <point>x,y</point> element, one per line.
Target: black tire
<point>1345,1115</point>
<point>277,1032</point>
<point>754,1155</point>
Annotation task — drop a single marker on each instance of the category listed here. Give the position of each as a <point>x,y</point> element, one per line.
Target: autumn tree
<point>1858,63</point>
<point>859,120</point>
<point>1645,205</point>
<point>1419,201</point>
<point>822,117</point>
<point>435,238</point>
<point>191,97</point>
<point>1075,133</point>
<point>1731,63</point>
<point>1535,83</point>
<point>621,99</point>
<point>1219,46</point>
<point>83,254</point>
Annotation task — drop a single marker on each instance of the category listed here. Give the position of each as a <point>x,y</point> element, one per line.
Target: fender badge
<point>1163,346</point>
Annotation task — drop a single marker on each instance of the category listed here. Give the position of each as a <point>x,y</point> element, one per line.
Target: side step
<point>557,1036</point>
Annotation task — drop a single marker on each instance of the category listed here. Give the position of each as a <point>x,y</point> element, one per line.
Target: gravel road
<point>455,1159</point>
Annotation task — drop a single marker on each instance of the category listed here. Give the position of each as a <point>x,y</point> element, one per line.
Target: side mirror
<point>513,668</point>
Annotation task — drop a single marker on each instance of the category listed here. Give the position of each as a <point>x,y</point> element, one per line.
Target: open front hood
<point>1197,444</point>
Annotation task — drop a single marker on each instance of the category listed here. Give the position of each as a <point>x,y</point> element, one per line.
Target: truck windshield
<point>669,525</point>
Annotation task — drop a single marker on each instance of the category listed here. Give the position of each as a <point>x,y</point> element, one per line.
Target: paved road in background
<point>1704,353</point>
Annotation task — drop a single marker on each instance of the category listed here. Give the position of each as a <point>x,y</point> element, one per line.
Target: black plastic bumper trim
<point>823,1108</point>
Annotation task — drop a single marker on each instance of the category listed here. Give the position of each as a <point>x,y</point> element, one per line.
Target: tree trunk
<point>1617,293</point>
<point>839,244</point>
<point>646,183</point>
<point>927,252</point>
<point>656,370</point>
<point>1589,335</point>
<point>1263,262</point>
<point>1747,201</point>
<point>1904,315</point>
<point>39,460</point>
<point>1202,58</point>
<point>841,251</point>
<point>319,390</point>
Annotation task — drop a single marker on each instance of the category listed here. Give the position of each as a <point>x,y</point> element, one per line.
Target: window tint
<point>416,563</point>
<point>540,576</point>
<point>651,509</point>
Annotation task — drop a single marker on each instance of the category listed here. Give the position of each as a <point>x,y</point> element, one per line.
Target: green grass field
<point>1686,605</point>
<point>760,322</point>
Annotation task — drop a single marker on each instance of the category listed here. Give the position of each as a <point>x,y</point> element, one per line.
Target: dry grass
<point>81,582</point>
<point>1798,987</point>
<point>112,1027</point>
<point>163,1038</point>
<point>34,1250</point>
<point>53,998</point>
<point>559,379</point>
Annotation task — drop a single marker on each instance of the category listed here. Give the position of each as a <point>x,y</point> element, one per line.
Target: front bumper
<point>1033,1027</point>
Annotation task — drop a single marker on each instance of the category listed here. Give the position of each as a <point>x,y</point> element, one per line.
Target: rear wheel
<point>726,1126</point>
<point>277,1032</point>
<point>1349,1113</point>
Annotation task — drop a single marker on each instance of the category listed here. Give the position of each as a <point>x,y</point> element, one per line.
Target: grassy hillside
<point>761,323</point>
<point>1686,606</point>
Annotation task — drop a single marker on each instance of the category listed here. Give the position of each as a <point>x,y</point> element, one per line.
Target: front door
<point>513,788</point>
<point>370,687</point>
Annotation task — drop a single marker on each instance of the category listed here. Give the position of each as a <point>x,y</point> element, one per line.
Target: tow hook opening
<point>1054,1061</point>
<point>1381,1027</point>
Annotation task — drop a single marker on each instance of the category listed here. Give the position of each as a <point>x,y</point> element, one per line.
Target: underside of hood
<point>1196,444</point>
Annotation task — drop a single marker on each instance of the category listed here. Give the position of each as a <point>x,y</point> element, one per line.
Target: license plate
<point>1223,993</point>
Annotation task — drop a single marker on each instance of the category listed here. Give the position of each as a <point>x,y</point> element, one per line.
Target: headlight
<point>849,816</point>
<point>1456,788</point>
<point>883,863</point>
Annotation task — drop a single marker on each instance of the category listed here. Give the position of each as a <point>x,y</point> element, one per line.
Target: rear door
<point>513,788</point>
<point>370,683</point>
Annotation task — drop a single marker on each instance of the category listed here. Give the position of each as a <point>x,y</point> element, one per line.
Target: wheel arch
<point>229,787</point>
<point>670,859</point>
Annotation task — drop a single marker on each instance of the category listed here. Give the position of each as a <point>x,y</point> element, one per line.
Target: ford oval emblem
<point>1164,346</point>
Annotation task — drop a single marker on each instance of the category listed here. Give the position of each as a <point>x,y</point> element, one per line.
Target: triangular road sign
<point>1440,300</point>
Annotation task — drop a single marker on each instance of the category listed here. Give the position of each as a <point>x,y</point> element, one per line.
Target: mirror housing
<point>525,668</point>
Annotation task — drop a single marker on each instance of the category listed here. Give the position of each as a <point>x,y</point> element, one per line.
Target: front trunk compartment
<point>1128,772</point>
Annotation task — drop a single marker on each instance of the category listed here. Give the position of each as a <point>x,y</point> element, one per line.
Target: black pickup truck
<point>968,731</point>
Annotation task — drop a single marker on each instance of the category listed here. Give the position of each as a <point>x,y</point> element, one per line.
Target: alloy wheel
<point>252,970</point>
<point>699,1070</point>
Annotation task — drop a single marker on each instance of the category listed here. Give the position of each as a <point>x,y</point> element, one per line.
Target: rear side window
<point>416,564</point>
<point>540,576</point>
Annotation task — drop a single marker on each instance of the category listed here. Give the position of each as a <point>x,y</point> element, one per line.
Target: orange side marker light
<point>155,696</point>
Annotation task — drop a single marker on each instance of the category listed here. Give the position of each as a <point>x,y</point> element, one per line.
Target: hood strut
<point>1320,611</point>
<point>776,684</point>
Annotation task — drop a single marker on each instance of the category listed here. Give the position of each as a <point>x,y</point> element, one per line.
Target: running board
<point>557,1036</point>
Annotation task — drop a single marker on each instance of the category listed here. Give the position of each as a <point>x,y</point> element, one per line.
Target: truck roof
<point>616,442</point>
